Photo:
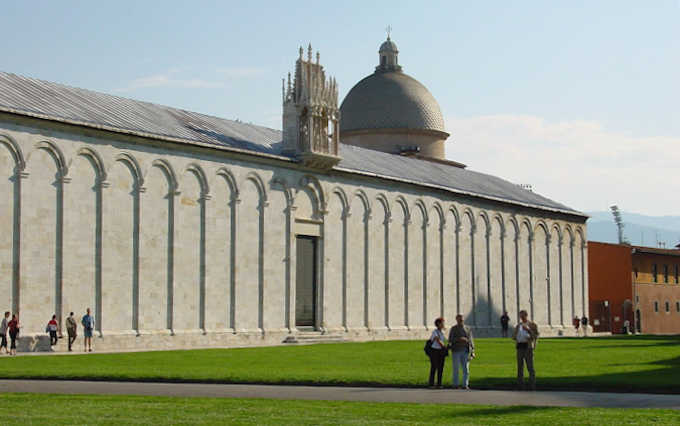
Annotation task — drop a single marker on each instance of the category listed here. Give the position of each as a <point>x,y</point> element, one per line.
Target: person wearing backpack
<point>438,352</point>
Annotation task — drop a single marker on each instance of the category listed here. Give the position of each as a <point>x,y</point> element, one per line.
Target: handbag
<point>428,347</point>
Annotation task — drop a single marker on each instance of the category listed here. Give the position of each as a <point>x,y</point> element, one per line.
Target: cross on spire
<point>388,30</point>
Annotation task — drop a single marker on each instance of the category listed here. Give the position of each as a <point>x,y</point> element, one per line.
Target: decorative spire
<point>388,30</point>
<point>309,53</point>
<point>317,57</point>
<point>301,51</point>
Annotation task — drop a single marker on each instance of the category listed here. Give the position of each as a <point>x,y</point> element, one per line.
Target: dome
<point>390,100</point>
<point>388,46</point>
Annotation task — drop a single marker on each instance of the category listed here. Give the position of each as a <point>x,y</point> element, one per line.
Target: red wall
<point>610,279</point>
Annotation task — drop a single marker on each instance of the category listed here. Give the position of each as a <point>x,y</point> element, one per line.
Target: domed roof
<point>390,100</point>
<point>388,46</point>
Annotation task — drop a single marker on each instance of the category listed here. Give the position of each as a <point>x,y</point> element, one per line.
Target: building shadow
<point>485,318</point>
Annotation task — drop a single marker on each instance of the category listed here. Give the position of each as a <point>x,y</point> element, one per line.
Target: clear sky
<point>581,99</point>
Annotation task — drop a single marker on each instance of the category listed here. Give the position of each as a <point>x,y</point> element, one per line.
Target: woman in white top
<point>438,352</point>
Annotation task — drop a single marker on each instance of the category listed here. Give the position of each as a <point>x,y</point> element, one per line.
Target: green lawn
<point>635,363</point>
<point>87,409</point>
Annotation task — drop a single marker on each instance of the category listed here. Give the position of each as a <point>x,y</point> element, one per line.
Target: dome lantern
<point>388,56</point>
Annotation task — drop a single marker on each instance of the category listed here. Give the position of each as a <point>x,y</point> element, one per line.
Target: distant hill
<point>638,229</point>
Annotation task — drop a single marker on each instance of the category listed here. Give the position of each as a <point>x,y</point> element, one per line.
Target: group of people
<point>13,326</point>
<point>462,347</point>
<point>578,322</point>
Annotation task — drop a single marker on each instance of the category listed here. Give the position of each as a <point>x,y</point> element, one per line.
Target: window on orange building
<point>677,306</point>
<point>654,273</point>
<point>668,307</point>
<point>656,306</point>
<point>677,269</point>
<point>665,273</point>
<point>636,272</point>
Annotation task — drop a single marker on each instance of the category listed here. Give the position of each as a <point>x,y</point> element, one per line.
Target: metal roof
<point>57,102</point>
<point>390,100</point>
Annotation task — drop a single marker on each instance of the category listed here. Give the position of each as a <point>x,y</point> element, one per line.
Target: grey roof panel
<point>29,96</point>
<point>442,175</point>
<point>32,96</point>
<point>390,100</point>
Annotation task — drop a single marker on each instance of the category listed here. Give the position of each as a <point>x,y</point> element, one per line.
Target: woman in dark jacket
<point>438,352</point>
<point>13,333</point>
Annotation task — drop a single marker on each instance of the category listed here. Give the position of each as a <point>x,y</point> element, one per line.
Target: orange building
<point>610,289</point>
<point>640,285</point>
<point>656,288</point>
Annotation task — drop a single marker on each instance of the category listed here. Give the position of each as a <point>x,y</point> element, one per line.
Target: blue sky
<point>578,98</point>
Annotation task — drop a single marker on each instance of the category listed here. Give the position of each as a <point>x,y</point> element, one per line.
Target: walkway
<point>490,397</point>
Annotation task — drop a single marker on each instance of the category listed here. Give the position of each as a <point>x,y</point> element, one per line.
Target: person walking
<point>71,327</point>
<point>52,328</point>
<point>88,328</point>
<point>13,327</point>
<point>577,324</point>
<point>437,353</point>
<point>525,337</point>
<point>3,332</point>
<point>505,321</point>
<point>462,350</point>
<point>584,323</point>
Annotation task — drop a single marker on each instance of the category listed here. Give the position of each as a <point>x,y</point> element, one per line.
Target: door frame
<point>315,289</point>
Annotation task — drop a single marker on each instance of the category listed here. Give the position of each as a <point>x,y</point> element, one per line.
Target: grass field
<point>627,363</point>
<point>86,409</point>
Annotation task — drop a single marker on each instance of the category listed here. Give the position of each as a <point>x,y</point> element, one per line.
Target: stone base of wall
<point>192,339</point>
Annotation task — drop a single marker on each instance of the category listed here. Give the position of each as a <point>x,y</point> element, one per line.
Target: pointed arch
<point>580,233</point>
<point>231,181</point>
<point>14,148</point>
<point>570,232</point>
<point>540,223</point>
<point>526,224</point>
<point>556,226</point>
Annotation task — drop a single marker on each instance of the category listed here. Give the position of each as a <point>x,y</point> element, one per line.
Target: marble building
<point>179,228</point>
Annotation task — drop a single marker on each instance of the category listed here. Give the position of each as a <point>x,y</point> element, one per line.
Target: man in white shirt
<point>525,336</point>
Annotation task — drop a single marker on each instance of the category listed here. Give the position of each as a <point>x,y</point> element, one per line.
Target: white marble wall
<point>195,242</point>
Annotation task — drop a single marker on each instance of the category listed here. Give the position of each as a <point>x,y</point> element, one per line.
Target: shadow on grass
<point>496,411</point>
<point>659,380</point>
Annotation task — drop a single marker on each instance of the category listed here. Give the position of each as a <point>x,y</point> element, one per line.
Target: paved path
<point>491,397</point>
